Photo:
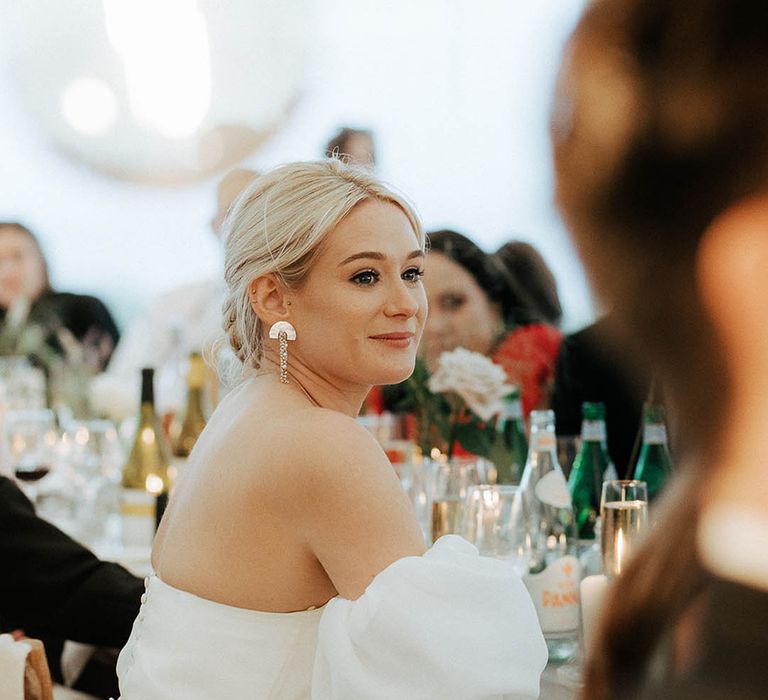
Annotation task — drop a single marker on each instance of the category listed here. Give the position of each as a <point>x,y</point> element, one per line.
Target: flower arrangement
<point>459,405</point>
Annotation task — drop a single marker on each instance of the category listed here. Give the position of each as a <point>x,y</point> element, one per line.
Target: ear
<point>269,299</point>
<point>732,274</point>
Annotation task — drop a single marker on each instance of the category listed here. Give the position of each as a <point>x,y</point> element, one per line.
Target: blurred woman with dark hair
<point>26,298</point>
<point>660,136</point>
<point>535,285</point>
<point>475,303</point>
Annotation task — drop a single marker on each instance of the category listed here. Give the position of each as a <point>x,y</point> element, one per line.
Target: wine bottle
<point>146,482</point>
<point>545,514</point>
<point>512,427</point>
<point>590,468</point>
<point>194,418</point>
<point>654,465</point>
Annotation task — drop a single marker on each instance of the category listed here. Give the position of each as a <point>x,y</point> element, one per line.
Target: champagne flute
<point>624,517</point>
<point>452,478</point>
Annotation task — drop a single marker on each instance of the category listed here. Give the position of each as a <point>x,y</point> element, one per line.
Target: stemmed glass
<point>94,457</point>
<point>31,439</point>
<point>624,521</point>
<point>452,479</point>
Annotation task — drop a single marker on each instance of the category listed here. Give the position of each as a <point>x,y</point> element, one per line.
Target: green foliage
<point>445,420</point>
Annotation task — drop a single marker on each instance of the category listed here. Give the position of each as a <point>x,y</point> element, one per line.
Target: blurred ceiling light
<point>89,106</point>
<point>166,58</point>
<point>185,87</point>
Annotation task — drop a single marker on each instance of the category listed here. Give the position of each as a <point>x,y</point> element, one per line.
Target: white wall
<point>457,92</point>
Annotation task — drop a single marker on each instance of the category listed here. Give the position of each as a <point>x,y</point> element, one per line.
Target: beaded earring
<point>283,332</point>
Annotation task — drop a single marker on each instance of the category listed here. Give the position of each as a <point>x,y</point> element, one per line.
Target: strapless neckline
<point>155,580</point>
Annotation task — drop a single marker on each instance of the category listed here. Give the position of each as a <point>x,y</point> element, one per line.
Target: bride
<point>289,563</point>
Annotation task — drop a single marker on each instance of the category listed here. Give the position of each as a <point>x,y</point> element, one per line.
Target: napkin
<point>24,673</point>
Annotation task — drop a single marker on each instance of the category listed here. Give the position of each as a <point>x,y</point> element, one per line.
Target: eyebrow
<point>373,255</point>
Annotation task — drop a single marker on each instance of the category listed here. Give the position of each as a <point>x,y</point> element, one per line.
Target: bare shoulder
<point>329,445</point>
<point>354,514</point>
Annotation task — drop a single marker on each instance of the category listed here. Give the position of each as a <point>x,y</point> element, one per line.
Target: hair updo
<point>278,225</point>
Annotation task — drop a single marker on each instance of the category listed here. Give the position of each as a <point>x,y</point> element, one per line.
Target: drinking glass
<point>31,439</point>
<point>95,458</point>
<point>624,521</point>
<point>452,479</point>
<point>490,522</point>
<point>24,384</point>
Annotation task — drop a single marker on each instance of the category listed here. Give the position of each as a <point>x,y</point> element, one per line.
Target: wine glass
<point>490,522</point>
<point>624,522</point>
<point>94,457</point>
<point>31,439</point>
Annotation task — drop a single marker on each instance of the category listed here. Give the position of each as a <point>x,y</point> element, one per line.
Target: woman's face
<point>460,313</point>
<point>21,269</point>
<point>360,313</point>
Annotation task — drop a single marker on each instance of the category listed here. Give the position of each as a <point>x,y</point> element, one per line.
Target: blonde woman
<point>289,563</point>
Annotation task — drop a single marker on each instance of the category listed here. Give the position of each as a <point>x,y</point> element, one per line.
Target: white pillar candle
<point>592,590</point>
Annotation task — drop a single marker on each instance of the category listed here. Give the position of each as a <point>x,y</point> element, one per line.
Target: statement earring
<point>283,331</point>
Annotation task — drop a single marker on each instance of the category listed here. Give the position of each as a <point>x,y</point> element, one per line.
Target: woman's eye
<point>413,275</point>
<point>366,278</point>
<point>452,302</point>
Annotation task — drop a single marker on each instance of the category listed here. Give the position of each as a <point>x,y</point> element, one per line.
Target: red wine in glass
<point>31,474</point>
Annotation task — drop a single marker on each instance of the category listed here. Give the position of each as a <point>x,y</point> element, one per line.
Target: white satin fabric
<point>446,626</point>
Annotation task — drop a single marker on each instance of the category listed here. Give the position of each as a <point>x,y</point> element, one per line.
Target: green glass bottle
<point>512,426</point>
<point>590,468</point>
<point>654,465</point>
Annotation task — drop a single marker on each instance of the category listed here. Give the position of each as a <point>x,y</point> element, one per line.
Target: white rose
<point>475,378</point>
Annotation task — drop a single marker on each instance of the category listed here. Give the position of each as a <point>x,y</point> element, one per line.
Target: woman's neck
<point>321,391</point>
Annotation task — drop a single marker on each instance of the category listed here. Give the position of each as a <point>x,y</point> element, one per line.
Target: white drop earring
<point>283,332</point>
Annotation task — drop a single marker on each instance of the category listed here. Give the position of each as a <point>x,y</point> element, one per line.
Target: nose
<point>403,300</point>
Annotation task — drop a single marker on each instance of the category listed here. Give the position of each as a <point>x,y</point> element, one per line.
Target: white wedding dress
<point>449,625</point>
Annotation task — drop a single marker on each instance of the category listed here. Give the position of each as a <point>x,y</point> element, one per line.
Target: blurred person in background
<point>475,303</point>
<point>535,285</point>
<point>355,145</point>
<point>592,366</point>
<point>39,321</point>
<point>184,320</point>
<point>660,133</point>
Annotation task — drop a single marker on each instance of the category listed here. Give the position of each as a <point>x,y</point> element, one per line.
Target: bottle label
<point>655,434</point>
<point>543,442</point>
<point>552,489</point>
<point>593,430</point>
<point>555,593</point>
<point>138,511</point>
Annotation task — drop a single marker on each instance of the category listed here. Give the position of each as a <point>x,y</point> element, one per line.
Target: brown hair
<point>661,124</point>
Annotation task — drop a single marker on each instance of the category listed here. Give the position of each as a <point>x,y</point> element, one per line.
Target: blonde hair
<point>278,226</point>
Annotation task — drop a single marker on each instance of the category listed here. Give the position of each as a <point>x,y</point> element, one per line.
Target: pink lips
<point>396,340</point>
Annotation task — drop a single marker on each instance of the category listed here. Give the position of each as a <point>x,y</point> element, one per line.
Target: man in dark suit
<point>591,367</point>
<point>54,589</point>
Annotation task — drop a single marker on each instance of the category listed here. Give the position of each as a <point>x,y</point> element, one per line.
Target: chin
<point>395,374</point>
